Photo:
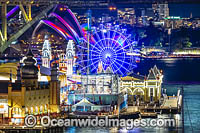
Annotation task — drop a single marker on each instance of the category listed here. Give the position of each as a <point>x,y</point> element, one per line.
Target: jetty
<point>170,105</point>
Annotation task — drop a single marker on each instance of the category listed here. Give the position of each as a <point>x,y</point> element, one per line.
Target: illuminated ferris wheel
<point>108,49</point>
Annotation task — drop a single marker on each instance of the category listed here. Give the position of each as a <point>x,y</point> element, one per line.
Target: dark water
<point>191,105</point>
<point>175,70</point>
<point>177,73</point>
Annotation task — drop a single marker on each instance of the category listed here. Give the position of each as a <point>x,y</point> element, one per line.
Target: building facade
<point>142,89</point>
<point>161,10</point>
<point>100,92</point>
<point>27,95</point>
<point>70,54</point>
<point>46,53</point>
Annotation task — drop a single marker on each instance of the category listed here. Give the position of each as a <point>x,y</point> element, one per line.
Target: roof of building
<point>84,102</point>
<point>133,77</point>
<point>157,72</point>
<point>108,70</point>
<point>29,70</point>
<point>151,75</point>
<point>29,53</point>
<point>138,76</point>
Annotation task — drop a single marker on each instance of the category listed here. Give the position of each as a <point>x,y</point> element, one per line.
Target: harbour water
<point>181,73</point>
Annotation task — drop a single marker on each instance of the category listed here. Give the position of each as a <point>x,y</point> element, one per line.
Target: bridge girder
<point>4,42</point>
<point>26,17</point>
<point>33,2</point>
<point>4,21</point>
<point>81,3</point>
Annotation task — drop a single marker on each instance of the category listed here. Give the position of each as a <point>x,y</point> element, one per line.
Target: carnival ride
<point>108,50</point>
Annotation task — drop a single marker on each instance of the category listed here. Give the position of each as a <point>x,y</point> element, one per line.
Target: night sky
<point>178,9</point>
<point>184,10</point>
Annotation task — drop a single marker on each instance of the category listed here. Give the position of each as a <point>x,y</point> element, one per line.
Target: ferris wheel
<point>108,48</point>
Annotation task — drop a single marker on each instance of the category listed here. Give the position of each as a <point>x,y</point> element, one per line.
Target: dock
<point>170,105</point>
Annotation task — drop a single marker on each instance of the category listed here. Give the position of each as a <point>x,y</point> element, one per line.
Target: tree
<point>180,39</point>
<point>188,44</point>
<point>154,36</point>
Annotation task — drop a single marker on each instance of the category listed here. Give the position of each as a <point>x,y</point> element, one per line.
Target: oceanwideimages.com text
<point>46,121</point>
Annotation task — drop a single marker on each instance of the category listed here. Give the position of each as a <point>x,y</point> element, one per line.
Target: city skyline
<point>99,59</point>
<point>176,9</point>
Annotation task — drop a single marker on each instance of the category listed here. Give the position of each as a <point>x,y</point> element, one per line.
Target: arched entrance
<point>138,96</point>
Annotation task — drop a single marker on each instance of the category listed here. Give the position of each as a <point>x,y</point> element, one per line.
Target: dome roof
<point>29,70</point>
<point>29,61</point>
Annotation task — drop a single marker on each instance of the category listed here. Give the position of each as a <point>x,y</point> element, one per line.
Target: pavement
<point>132,109</point>
<point>172,101</point>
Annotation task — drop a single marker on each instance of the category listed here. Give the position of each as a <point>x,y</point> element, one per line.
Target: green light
<point>173,17</point>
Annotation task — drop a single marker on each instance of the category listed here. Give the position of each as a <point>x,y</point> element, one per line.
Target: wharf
<point>169,106</point>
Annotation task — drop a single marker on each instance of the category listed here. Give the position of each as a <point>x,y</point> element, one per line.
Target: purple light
<point>66,25</point>
<point>54,27</point>
<point>75,20</point>
<point>12,11</point>
<point>57,28</point>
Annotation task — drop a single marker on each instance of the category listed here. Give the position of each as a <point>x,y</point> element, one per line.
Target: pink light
<point>60,30</point>
<point>66,25</point>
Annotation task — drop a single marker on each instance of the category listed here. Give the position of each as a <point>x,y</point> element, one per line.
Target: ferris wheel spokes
<point>108,47</point>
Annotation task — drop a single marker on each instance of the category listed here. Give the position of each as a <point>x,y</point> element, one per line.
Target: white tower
<point>46,52</point>
<point>70,53</point>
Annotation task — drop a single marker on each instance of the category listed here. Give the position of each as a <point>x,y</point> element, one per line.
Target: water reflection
<point>174,70</point>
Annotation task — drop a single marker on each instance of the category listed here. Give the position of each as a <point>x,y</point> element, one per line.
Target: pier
<point>170,105</point>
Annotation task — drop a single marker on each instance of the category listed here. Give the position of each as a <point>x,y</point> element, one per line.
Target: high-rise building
<point>146,14</point>
<point>161,11</point>
<point>126,16</point>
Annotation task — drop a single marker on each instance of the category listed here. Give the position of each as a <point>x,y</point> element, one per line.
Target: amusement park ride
<point>95,57</point>
<point>94,48</point>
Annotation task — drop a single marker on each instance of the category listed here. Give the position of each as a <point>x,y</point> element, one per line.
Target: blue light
<point>109,46</point>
